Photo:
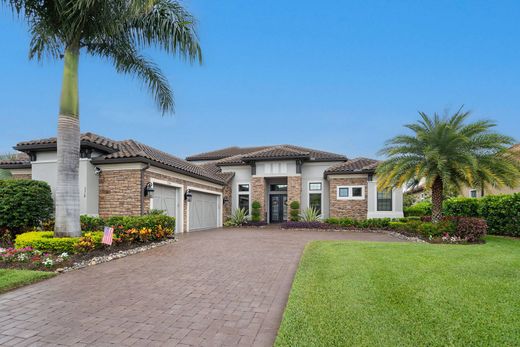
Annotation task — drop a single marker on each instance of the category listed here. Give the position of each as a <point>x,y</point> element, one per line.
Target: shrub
<point>310,215</point>
<point>502,213</point>
<point>150,221</point>
<point>24,204</point>
<point>238,218</point>
<point>255,211</point>
<point>90,223</point>
<point>304,225</point>
<point>423,208</point>
<point>471,229</point>
<point>45,242</point>
<point>88,242</point>
<point>294,213</point>
<point>372,223</point>
<point>467,207</point>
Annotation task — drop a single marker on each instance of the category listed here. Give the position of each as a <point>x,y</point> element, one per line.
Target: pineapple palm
<point>448,152</point>
<point>116,30</point>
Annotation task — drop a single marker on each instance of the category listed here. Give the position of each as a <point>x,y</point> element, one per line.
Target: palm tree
<point>116,30</point>
<point>448,152</point>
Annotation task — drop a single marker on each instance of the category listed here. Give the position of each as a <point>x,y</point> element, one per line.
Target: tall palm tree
<point>116,30</point>
<point>448,152</point>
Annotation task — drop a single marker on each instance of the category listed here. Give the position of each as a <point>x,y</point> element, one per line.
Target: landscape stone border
<point>114,256</point>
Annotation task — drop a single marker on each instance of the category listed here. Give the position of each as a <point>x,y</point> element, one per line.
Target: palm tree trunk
<point>67,187</point>
<point>437,193</point>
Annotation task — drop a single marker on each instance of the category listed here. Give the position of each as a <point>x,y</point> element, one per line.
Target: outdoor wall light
<point>148,189</point>
<point>225,200</point>
<point>187,196</point>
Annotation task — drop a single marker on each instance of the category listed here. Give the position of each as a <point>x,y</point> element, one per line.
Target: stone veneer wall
<point>227,195</point>
<point>294,189</point>
<point>119,192</point>
<point>356,209</point>
<point>258,194</point>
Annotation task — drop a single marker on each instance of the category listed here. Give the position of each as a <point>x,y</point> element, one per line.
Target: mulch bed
<point>75,258</point>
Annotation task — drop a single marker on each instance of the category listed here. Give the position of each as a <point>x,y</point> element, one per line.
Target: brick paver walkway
<point>218,287</point>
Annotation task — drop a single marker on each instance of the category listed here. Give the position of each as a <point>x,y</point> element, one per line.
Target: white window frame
<point>248,193</point>
<point>350,197</point>
<point>471,191</point>
<point>309,192</point>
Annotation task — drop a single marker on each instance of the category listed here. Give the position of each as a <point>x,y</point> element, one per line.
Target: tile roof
<point>130,149</point>
<point>127,151</point>
<point>15,161</point>
<point>86,138</point>
<point>357,165</point>
<point>281,152</point>
<point>275,152</point>
<point>224,153</point>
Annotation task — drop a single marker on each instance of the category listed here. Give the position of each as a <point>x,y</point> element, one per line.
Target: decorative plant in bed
<point>449,230</point>
<point>40,250</point>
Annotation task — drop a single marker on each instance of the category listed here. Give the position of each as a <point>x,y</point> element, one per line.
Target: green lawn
<point>405,294</point>
<point>10,279</point>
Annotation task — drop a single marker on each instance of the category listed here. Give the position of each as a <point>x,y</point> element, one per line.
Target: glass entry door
<point>277,208</point>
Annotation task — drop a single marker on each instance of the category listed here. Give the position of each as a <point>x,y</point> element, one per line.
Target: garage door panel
<point>165,198</point>
<point>203,211</point>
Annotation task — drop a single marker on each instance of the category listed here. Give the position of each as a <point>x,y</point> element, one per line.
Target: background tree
<point>116,30</point>
<point>448,152</point>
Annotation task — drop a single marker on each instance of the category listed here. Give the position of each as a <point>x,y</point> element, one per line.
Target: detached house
<point>130,178</point>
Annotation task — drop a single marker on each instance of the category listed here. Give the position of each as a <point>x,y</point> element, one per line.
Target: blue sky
<point>338,75</point>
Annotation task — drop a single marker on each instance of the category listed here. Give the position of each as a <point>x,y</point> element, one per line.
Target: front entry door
<point>277,208</point>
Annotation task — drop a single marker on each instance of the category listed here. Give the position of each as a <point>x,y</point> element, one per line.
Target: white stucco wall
<point>242,176</point>
<point>397,202</point>
<point>45,169</point>
<point>313,172</point>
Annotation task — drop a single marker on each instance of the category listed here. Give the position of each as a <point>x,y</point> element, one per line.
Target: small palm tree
<point>116,30</point>
<point>448,152</point>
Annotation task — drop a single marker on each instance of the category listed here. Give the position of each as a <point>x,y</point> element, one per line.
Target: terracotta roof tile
<point>224,153</point>
<point>86,138</point>
<point>357,165</point>
<point>130,149</point>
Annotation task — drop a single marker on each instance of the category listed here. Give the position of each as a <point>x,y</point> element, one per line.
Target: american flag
<point>108,233</point>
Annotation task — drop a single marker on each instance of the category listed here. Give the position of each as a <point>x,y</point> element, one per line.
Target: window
<point>278,187</point>
<point>315,186</point>
<point>315,196</point>
<point>384,200</point>
<point>315,201</point>
<point>243,197</point>
<point>357,192</point>
<point>350,192</point>
<point>343,192</point>
<point>473,193</point>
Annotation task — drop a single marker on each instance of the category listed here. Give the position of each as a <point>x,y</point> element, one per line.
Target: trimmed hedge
<point>45,241</point>
<point>502,213</point>
<point>255,211</point>
<point>294,211</point>
<point>24,204</point>
<point>372,223</point>
<point>423,208</point>
<point>466,207</point>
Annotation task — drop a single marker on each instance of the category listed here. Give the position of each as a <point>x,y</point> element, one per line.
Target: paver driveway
<point>217,287</point>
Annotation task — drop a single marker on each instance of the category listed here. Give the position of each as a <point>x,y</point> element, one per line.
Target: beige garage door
<point>204,211</point>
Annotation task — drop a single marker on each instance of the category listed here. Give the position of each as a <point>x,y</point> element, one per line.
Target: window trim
<point>471,191</point>
<point>350,197</point>
<point>248,193</point>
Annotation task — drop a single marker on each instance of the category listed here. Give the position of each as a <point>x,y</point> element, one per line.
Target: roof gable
<point>357,165</point>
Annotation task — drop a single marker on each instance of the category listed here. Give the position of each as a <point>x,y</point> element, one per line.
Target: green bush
<point>460,206</point>
<point>372,223</point>
<point>89,223</point>
<point>24,204</point>
<point>294,213</point>
<point>150,221</point>
<point>423,208</point>
<point>502,213</point>
<point>45,242</point>
<point>255,211</point>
